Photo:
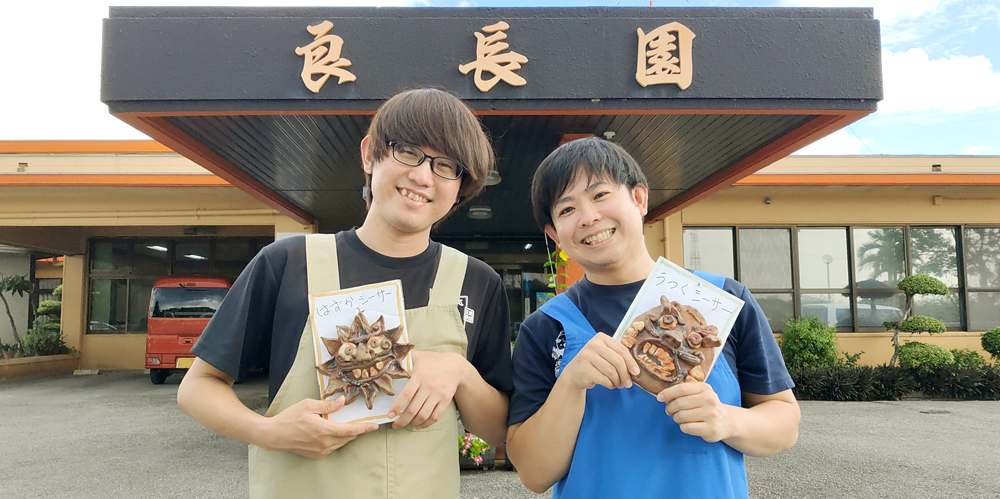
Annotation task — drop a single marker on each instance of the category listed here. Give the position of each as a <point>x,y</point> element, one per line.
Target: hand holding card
<point>676,327</point>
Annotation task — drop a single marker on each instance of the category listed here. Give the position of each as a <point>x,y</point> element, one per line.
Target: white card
<point>338,308</point>
<point>719,308</point>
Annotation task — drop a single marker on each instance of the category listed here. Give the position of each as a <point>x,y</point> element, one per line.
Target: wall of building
<point>844,205</point>
<point>14,261</point>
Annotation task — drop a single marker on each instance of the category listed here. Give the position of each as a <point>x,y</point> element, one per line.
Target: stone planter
<point>37,367</point>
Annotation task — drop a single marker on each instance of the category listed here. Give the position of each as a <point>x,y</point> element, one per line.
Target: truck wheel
<point>158,376</point>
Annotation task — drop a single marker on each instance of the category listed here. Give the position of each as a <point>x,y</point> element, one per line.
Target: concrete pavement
<point>117,435</point>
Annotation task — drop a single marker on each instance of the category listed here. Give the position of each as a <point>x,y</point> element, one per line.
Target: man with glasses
<point>424,155</point>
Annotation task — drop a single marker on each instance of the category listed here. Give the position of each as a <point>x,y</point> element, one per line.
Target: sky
<point>941,86</point>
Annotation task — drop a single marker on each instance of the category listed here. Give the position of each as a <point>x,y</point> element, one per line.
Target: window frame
<point>962,289</point>
<point>130,274</point>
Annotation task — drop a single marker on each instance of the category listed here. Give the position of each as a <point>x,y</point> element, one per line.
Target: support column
<point>74,306</point>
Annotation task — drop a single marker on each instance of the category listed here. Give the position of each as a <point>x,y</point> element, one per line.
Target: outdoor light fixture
<point>609,135</point>
<point>157,248</point>
<point>480,212</point>
<point>195,257</point>
<point>527,246</point>
<point>492,179</point>
<point>767,200</point>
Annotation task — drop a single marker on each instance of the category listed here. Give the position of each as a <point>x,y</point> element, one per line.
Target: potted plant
<point>474,452</point>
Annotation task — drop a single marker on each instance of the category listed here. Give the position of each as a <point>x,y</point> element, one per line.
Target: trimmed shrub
<point>808,343</point>
<point>826,383</point>
<point>923,357</point>
<point>991,342</point>
<point>50,308</point>
<point>921,284</point>
<point>891,383</point>
<point>45,339</point>
<point>968,358</point>
<point>953,381</point>
<point>860,383</point>
<point>991,383</point>
<point>921,324</point>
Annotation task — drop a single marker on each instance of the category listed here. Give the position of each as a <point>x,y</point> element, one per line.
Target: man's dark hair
<point>428,117</point>
<point>592,157</point>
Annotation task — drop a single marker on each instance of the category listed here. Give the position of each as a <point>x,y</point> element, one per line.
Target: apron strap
<point>450,277</point>
<point>562,309</point>
<point>322,272</point>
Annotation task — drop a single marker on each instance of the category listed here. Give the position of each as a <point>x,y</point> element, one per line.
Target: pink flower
<point>478,459</point>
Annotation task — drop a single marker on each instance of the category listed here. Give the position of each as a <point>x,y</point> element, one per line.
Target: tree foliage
<point>924,357</point>
<point>922,284</point>
<point>808,343</point>
<point>921,324</point>
<point>991,342</point>
<point>14,285</point>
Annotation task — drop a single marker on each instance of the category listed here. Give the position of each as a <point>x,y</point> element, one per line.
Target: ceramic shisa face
<point>672,343</point>
<point>366,358</point>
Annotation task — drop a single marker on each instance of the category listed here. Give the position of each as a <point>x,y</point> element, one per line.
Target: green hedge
<point>808,343</point>
<point>860,383</point>
<point>968,358</point>
<point>991,342</point>
<point>864,383</point>
<point>924,357</point>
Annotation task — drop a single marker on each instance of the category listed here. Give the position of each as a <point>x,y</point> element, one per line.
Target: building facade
<point>822,236</point>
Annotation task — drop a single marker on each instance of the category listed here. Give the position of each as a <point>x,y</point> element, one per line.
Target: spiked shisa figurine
<point>672,343</point>
<point>366,358</point>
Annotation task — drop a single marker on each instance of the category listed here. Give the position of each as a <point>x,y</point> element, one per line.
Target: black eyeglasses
<point>411,155</point>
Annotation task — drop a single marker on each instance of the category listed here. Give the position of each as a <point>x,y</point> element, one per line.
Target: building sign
<point>322,57</point>
<point>490,57</point>
<point>664,56</point>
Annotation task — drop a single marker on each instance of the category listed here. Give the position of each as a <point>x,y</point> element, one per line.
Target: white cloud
<point>838,143</point>
<point>976,150</point>
<point>50,86</point>
<point>959,83</point>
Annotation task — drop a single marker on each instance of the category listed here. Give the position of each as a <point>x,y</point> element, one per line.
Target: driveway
<point>117,435</point>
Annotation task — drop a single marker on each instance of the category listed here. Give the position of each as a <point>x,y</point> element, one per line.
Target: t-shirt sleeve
<point>491,356</point>
<point>238,337</point>
<point>534,366</point>
<point>760,367</point>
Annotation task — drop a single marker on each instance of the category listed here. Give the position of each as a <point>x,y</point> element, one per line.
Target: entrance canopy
<point>276,101</point>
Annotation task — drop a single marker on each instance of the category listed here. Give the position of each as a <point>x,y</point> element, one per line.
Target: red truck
<point>179,310</point>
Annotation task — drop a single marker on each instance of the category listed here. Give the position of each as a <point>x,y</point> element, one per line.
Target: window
<point>709,250</point>
<point>765,266</point>
<point>123,271</point>
<point>982,269</point>
<point>847,276</point>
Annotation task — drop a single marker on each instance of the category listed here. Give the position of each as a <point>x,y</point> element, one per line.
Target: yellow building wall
<point>113,351</point>
<point>74,312</point>
<point>64,218</point>
<point>854,205</point>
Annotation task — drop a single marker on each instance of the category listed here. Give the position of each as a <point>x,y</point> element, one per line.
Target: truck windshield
<point>186,302</point>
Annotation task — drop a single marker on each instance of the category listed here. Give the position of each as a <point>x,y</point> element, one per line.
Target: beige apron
<point>386,463</point>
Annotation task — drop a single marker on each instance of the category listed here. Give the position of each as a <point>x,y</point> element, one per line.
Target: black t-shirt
<point>265,312</point>
<point>750,350</point>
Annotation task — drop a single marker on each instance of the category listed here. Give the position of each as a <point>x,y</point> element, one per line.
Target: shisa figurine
<point>672,343</point>
<point>366,358</point>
